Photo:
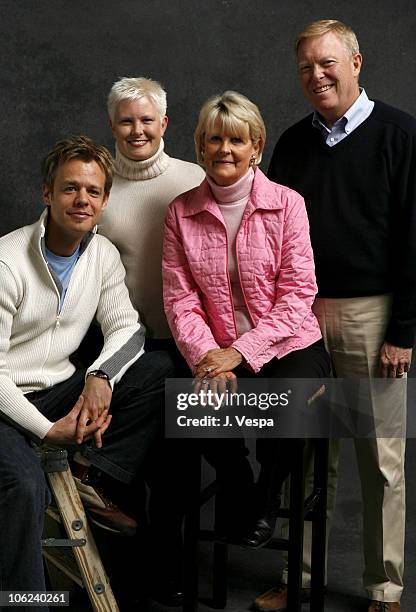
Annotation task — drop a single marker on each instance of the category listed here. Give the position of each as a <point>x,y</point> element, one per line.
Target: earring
<point>253,160</point>
<point>202,153</point>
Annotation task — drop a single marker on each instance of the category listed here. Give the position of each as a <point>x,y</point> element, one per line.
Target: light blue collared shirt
<point>354,116</point>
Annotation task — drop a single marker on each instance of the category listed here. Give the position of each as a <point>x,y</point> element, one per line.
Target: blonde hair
<point>133,88</point>
<point>323,26</point>
<point>238,115</point>
<point>77,147</point>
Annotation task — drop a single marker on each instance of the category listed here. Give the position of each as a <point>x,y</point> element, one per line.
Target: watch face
<point>98,374</point>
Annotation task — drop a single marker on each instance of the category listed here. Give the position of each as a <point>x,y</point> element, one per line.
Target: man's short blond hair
<point>77,147</point>
<point>238,115</point>
<point>323,26</point>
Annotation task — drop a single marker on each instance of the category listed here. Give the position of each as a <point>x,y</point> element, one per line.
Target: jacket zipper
<point>239,277</point>
<point>229,284</point>
<point>57,318</point>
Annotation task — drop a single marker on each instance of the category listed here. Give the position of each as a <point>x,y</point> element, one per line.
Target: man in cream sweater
<point>57,274</point>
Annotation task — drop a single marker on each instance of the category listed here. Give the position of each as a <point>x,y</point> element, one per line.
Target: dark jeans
<point>24,497</point>
<point>136,406</point>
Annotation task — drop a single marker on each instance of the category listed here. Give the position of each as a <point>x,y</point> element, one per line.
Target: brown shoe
<point>275,600</point>
<point>100,509</point>
<point>384,606</point>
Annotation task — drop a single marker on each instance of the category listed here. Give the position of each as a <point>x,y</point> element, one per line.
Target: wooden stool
<point>313,509</point>
<point>70,513</point>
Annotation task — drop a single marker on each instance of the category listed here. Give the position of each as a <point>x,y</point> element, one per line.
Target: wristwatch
<point>99,374</point>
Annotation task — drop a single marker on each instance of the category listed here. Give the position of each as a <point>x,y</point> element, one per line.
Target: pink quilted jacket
<point>275,264</point>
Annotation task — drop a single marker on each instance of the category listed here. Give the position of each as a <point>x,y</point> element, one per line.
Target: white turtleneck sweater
<point>232,201</point>
<point>134,221</point>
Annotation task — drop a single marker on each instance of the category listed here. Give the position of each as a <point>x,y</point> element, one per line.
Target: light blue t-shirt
<point>62,268</point>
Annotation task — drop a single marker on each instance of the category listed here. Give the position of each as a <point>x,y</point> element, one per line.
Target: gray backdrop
<point>59,59</point>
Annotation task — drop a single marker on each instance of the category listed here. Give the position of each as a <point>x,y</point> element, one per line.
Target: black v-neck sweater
<point>361,200</point>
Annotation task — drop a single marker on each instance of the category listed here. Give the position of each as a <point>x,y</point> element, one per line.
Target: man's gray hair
<point>133,88</point>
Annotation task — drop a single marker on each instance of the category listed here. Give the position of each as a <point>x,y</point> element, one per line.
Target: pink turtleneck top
<point>232,201</point>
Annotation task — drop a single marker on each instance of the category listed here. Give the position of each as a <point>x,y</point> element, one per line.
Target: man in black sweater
<point>354,161</point>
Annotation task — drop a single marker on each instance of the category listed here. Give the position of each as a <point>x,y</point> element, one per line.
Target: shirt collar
<point>352,118</point>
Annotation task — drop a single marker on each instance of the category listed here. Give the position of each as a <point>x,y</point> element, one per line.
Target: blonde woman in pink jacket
<point>239,282</point>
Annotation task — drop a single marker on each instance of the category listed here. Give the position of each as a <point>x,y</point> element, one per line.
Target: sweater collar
<point>262,196</point>
<point>233,193</point>
<point>352,118</point>
<point>41,234</point>
<point>142,170</point>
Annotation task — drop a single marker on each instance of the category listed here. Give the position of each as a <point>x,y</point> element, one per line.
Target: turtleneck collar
<point>233,193</point>
<point>142,170</point>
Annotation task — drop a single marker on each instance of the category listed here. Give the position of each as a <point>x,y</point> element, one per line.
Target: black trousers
<point>311,363</point>
<point>240,500</point>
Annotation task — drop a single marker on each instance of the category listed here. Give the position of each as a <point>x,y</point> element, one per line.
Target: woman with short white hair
<point>146,181</point>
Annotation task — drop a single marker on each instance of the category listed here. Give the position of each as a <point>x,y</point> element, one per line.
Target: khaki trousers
<point>353,331</point>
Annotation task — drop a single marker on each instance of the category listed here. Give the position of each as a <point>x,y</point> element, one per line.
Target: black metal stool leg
<point>314,508</point>
<point>319,526</point>
<point>296,526</point>
<point>220,570</point>
<point>191,538</point>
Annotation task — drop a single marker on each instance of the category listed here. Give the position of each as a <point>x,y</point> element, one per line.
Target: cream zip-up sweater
<point>37,337</point>
<point>134,222</point>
